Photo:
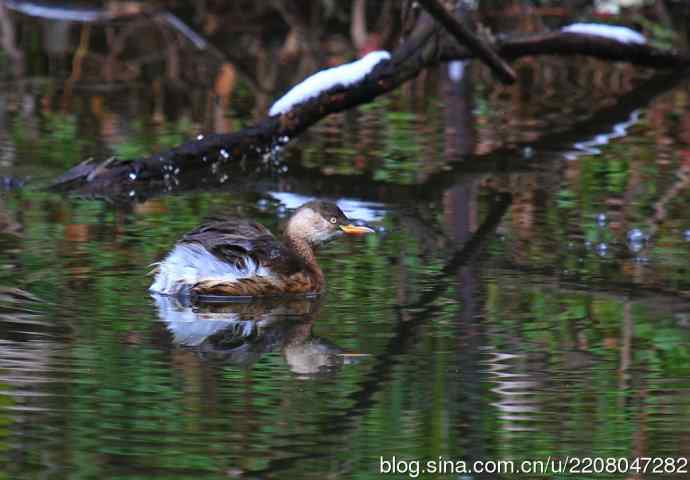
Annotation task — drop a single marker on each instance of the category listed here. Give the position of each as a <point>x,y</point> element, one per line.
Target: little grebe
<point>242,258</point>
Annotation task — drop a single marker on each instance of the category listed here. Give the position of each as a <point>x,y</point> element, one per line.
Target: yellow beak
<point>355,230</point>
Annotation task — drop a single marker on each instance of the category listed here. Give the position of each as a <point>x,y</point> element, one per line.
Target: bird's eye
<point>334,220</point>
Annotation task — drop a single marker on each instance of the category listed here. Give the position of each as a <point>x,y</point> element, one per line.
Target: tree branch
<point>476,45</point>
<point>421,50</point>
<point>568,44</point>
<point>109,179</point>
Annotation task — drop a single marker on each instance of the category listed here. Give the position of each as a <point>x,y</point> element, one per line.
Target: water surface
<point>526,294</point>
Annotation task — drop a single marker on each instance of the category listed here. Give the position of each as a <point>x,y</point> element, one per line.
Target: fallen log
<point>255,148</point>
<point>87,179</point>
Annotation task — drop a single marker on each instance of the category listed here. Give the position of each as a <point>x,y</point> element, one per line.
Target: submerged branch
<point>464,255</point>
<point>672,299</point>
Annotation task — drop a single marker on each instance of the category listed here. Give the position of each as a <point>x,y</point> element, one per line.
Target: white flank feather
<point>622,34</point>
<point>314,85</point>
<point>190,263</point>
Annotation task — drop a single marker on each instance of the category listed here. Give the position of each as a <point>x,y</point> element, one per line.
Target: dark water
<point>475,325</point>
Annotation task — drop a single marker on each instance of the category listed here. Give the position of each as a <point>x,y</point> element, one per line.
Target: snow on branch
<point>613,32</point>
<point>566,43</point>
<point>344,87</point>
<point>325,80</point>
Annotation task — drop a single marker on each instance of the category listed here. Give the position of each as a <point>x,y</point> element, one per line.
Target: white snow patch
<point>353,208</point>
<point>190,263</point>
<point>456,69</point>
<point>622,34</point>
<point>314,85</point>
<point>613,7</point>
<point>64,14</point>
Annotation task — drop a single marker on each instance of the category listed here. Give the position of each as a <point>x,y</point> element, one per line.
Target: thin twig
<point>480,48</point>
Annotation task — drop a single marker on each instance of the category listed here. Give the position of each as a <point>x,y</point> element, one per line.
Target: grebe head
<point>317,222</point>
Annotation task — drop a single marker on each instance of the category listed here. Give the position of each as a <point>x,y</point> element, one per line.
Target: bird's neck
<point>306,252</point>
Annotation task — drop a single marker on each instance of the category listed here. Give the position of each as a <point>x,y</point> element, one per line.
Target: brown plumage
<point>238,257</point>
